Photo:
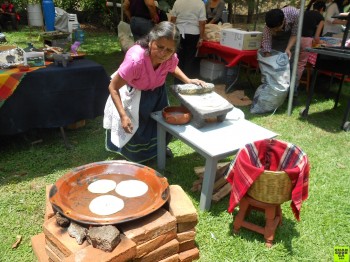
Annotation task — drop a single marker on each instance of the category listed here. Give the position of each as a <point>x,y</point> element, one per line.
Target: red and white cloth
<point>274,155</point>
<point>312,58</point>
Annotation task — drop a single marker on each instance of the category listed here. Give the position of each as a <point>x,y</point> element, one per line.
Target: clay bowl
<point>23,68</point>
<point>176,115</point>
<point>71,198</point>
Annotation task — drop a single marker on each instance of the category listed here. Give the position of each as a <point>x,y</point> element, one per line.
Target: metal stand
<point>336,60</point>
<point>231,87</point>
<point>65,140</point>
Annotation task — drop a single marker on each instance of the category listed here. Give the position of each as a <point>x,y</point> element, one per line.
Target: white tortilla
<point>106,205</point>
<point>131,188</point>
<point>102,186</point>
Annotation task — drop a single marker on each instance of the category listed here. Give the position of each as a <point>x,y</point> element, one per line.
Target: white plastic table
<point>214,141</point>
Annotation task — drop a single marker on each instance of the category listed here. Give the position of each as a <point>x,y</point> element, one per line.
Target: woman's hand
<point>197,82</point>
<point>200,42</point>
<point>127,125</point>
<point>289,53</point>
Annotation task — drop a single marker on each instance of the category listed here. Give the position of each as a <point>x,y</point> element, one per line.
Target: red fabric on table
<point>231,55</point>
<point>274,155</point>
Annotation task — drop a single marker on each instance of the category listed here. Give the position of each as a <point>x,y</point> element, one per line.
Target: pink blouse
<point>138,71</point>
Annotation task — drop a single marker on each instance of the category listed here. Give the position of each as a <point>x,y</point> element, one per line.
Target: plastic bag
<point>61,20</point>
<point>275,78</point>
<point>125,36</point>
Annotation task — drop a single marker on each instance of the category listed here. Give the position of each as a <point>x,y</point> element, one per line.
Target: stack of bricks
<point>165,235</point>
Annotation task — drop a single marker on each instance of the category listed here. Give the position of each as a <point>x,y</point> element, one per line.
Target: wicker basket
<point>274,187</point>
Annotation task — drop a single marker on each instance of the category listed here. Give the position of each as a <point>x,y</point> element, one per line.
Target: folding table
<point>232,56</point>
<point>214,141</point>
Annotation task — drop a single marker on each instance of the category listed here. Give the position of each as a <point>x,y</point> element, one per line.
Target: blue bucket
<point>49,15</point>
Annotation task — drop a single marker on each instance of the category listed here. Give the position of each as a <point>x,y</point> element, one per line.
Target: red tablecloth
<point>230,55</point>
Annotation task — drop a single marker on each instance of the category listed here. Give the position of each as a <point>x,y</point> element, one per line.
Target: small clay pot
<point>176,115</point>
<point>23,68</point>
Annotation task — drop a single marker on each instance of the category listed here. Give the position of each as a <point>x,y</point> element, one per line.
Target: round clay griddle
<point>70,196</point>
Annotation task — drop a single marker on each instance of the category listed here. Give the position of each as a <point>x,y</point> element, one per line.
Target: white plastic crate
<point>73,18</point>
<point>72,27</point>
<point>211,69</point>
<point>72,23</point>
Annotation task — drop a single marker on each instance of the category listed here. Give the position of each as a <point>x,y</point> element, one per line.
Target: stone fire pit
<point>166,235</point>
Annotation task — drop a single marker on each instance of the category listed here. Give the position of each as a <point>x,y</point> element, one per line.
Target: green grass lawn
<point>26,168</point>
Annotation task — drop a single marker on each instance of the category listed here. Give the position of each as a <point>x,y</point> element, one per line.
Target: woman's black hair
<point>164,29</point>
<point>319,5</point>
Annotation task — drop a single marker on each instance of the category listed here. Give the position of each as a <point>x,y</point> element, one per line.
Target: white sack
<point>275,78</point>
<point>125,36</point>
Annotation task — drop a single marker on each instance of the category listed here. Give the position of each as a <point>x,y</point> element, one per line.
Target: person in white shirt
<point>332,25</point>
<point>190,18</point>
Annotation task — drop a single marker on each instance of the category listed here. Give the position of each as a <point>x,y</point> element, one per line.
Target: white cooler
<point>211,69</point>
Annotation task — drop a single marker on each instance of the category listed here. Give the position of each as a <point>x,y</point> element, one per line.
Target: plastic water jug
<point>79,35</point>
<point>49,15</point>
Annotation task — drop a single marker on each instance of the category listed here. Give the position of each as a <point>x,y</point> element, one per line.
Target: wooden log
<point>199,170</point>
<point>197,185</point>
<point>224,191</point>
<point>221,170</point>
<point>219,183</point>
<point>219,178</point>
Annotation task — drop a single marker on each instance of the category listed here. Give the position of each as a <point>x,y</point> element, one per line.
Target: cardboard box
<point>241,40</point>
<point>211,69</point>
<point>33,59</point>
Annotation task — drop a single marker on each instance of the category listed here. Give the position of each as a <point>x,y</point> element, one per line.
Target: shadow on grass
<point>284,233</point>
<point>329,120</point>
<point>42,152</point>
<point>179,170</point>
<point>326,116</point>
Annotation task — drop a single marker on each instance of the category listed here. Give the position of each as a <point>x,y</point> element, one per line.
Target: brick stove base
<point>167,235</point>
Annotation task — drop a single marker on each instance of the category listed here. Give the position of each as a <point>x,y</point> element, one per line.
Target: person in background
<point>190,19</point>
<point>142,15</point>
<point>332,25</point>
<point>142,73</point>
<point>214,9</point>
<point>280,31</point>
<point>8,13</point>
<point>310,35</point>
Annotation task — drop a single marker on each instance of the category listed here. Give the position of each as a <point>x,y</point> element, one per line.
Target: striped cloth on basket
<point>274,155</point>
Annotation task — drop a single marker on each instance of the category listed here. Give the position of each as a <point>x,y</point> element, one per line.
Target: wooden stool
<point>306,80</point>
<point>266,194</point>
<point>273,215</point>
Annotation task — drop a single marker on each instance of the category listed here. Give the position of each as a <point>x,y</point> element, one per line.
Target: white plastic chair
<point>72,23</point>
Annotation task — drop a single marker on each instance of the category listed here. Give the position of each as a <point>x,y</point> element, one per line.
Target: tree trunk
<point>256,13</point>
<point>230,15</point>
<point>250,11</point>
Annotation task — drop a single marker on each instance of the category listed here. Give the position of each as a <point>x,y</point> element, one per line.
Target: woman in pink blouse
<point>137,89</point>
